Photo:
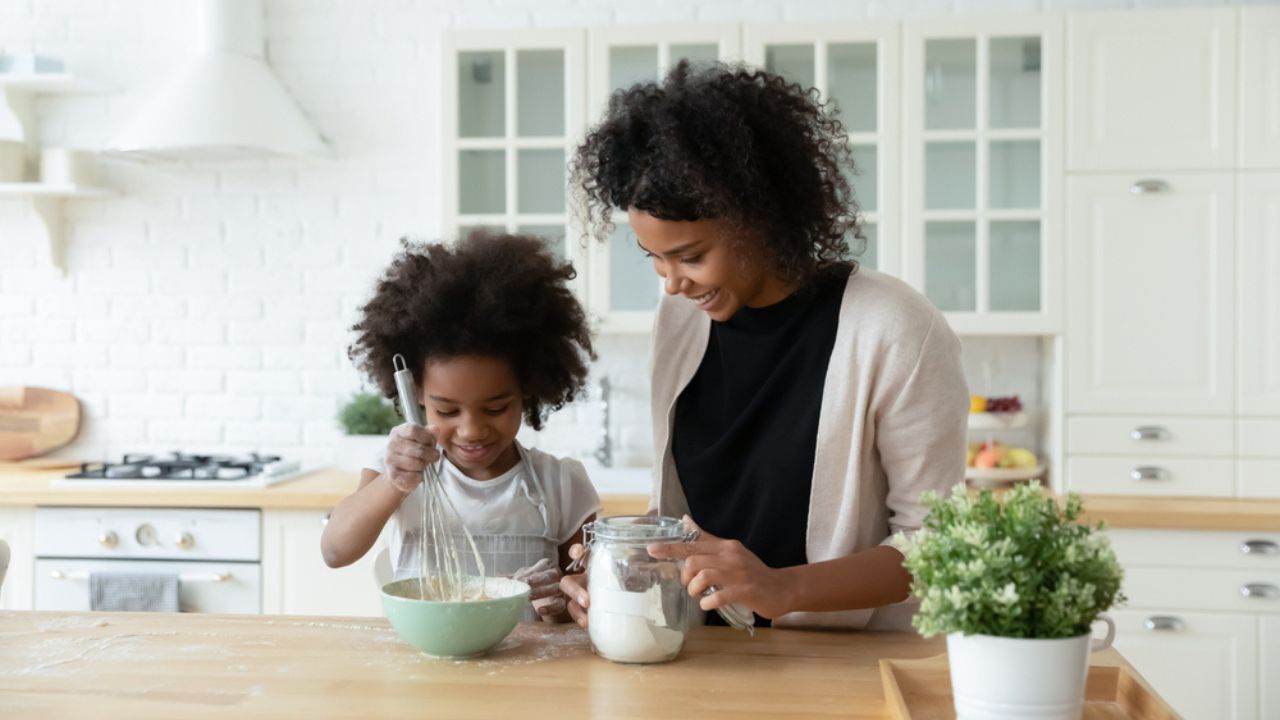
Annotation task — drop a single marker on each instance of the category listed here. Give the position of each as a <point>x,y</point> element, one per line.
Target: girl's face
<point>476,406</point>
<point>697,261</point>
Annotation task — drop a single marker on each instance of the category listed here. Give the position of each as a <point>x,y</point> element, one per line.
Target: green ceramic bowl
<point>455,629</point>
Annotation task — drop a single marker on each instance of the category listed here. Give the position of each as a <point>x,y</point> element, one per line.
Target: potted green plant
<point>365,418</point>
<point>1016,586</point>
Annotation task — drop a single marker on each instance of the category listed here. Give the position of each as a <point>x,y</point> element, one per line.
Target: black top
<point>746,426</point>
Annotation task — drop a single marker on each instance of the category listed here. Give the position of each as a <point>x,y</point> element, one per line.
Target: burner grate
<point>176,466</point>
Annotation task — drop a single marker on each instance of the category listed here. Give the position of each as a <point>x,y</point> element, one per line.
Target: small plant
<point>1023,568</point>
<point>368,414</point>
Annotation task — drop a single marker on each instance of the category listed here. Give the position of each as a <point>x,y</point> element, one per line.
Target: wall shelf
<point>54,84</point>
<point>47,204</point>
<point>19,93</point>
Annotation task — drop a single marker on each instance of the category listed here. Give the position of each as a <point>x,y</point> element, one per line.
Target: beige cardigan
<point>891,424</point>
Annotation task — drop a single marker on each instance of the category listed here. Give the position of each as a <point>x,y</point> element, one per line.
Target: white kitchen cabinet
<point>982,167</point>
<point>1152,90</point>
<point>1260,89</point>
<point>856,67</point>
<point>515,113</point>
<point>1188,628</point>
<point>1258,292</point>
<point>295,580</point>
<point>17,528</point>
<point>1150,275</point>
<point>622,287</point>
<point>1204,664</point>
<point>1269,666</point>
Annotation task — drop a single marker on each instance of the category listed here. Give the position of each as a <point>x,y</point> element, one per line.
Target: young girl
<point>492,335</point>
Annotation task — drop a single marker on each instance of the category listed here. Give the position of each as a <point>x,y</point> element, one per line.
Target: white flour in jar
<point>628,626</point>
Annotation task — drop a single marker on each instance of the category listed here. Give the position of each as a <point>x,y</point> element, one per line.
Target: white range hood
<point>223,104</point>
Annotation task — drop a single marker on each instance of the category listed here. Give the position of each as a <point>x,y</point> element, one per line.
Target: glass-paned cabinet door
<point>513,110</point>
<point>854,66</point>
<point>982,160</point>
<point>622,284</point>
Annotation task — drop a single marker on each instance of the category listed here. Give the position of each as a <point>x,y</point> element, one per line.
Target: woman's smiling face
<point>696,260</point>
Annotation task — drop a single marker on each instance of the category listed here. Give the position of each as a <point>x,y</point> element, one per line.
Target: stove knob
<point>108,539</point>
<point>146,534</point>
<point>184,541</point>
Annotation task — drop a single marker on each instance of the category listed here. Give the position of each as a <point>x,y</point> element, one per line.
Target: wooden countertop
<point>31,483</point>
<point>140,665</point>
<point>28,484</point>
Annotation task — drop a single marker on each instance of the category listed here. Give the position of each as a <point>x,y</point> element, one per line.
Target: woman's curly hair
<point>730,142</point>
<point>502,296</point>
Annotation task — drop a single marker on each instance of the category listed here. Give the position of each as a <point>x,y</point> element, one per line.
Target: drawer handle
<point>1149,472</point>
<point>1146,187</point>
<point>1259,547</point>
<point>1164,623</point>
<point>1149,432</point>
<point>1262,591</point>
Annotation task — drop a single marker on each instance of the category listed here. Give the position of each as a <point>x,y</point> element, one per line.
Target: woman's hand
<point>737,573</point>
<point>543,579</point>
<point>574,588</point>
<point>409,451</point>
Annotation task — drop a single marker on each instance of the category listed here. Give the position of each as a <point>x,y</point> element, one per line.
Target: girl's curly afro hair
<point>503,296</point>
<point>729,142</point>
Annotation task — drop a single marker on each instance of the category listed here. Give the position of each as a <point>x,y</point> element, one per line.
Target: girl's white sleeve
<point>577,497</point>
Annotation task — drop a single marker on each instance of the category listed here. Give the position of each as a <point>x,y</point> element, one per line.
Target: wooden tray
<point>921,690</point>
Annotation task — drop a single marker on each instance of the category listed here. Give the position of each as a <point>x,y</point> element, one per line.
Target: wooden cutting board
<point>34,421</point>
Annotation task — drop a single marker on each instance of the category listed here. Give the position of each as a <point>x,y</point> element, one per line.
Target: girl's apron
<point>502,554</point>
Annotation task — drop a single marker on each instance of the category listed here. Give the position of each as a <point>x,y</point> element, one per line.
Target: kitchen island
<point>136,665</point>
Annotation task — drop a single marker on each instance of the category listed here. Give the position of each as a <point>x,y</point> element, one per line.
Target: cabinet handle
<point>1262,591</point>
<point>184,577</point>
<point>1259,547</point>
<point>325,520</point>
<point>1149,472</point>
<point>1164,623</point>
<point>1145,187</point>
<point>1149,432</point>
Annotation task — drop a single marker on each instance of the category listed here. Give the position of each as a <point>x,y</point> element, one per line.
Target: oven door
<point>206,587</point>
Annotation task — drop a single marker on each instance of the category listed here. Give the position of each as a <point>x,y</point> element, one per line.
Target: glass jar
<point>639,610</point>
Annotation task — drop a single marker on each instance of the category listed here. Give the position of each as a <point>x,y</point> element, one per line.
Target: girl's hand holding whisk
<point>410,450</point>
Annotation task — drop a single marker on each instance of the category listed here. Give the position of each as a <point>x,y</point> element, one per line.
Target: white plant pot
<point>356,452</point>
<point>998,678</point>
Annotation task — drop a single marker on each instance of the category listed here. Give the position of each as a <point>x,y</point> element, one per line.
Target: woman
<point>801,404</point>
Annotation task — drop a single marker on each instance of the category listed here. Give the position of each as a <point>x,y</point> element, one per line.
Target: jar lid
<point>637,529</point>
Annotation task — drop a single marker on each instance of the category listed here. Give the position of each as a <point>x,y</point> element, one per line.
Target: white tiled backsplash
<point>207,308</point>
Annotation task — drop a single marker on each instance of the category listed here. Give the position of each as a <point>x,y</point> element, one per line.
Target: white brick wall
<point>208,308</point>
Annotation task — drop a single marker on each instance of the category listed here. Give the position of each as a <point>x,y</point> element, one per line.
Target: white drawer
<point>1203,664</point>
<point>1259,478</point>
<point>1259,438</point>
<point>1197,548</point>
<point>1142,475</point>
<point>1152,435</point>
<point>1200,589</point>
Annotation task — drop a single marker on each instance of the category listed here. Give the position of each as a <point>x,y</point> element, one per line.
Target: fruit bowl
<point>991,477</point>
<point>455,629</point>
<point>998,420</point>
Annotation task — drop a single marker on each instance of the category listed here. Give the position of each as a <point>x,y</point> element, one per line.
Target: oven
<point>215,554</point>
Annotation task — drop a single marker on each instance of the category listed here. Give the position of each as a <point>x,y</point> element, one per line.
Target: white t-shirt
<point>507,504</point>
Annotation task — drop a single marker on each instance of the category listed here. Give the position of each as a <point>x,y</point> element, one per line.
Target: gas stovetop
<point>188,470</point>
